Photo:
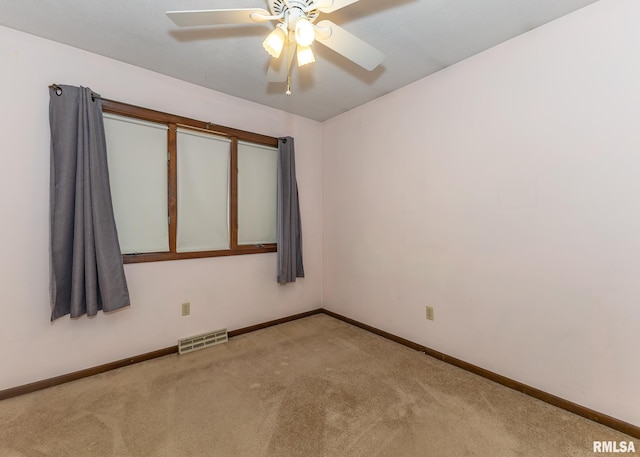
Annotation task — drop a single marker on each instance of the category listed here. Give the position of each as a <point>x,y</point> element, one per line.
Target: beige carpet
<point>313,387</point>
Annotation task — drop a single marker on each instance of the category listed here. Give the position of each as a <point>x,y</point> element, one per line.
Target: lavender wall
<point>505,192</point>
<point>229,292</point>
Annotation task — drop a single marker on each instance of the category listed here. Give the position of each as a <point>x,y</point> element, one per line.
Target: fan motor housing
<point>307,7</point>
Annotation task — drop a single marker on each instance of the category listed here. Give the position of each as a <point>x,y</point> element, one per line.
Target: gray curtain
<point>86,268</point>
<point>289,225</point>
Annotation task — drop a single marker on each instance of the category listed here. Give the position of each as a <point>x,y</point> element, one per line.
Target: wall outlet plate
<point>430,315</point>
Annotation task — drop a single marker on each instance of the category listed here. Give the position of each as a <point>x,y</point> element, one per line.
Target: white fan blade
<point>278,68</point>
<point>218,17</point>
<point>349,45</point>
<point>329,6</point>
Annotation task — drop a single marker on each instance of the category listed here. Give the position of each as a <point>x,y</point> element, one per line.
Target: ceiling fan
<point>294,32</point>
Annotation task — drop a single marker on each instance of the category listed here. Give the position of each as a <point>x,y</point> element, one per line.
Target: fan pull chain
<point>288,92</point>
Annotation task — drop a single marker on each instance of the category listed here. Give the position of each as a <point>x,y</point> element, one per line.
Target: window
<point>183,188</point>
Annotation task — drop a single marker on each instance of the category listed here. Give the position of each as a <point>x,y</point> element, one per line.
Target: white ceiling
<point>419,37</point>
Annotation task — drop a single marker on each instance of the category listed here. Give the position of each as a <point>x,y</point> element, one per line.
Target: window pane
<point>257,191</point>
<point>137,157</point>
<point>203,191</point>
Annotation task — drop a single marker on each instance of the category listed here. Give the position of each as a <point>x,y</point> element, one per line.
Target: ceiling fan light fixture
<point>274,42</point>
<point>305,55</point>
<point>295,25</point>
<point>305,33</point>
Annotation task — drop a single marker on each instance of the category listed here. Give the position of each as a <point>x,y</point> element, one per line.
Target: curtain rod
<point>58,91</point>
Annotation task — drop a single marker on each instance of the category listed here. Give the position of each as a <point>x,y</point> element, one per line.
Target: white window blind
<point>137,158</point>
<point>257,191</point>
<point>203,191</point>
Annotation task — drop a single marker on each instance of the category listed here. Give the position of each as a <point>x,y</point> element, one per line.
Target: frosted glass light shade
<point>305,55</point>
<point>274,42</point>
<point>304,32</point>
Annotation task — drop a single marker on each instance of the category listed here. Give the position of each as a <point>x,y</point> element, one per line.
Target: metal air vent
<point>205,340</point>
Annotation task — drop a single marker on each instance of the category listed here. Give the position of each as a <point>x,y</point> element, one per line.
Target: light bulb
<point>305,55</point>
<point>274,42</point>
<point>304,32</point>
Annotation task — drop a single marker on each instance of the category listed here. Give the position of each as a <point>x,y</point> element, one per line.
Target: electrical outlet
<point>430,315</point>
<point>186,309</point>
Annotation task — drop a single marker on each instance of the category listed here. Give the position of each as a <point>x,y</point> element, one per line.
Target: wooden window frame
<point>173,122</point>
